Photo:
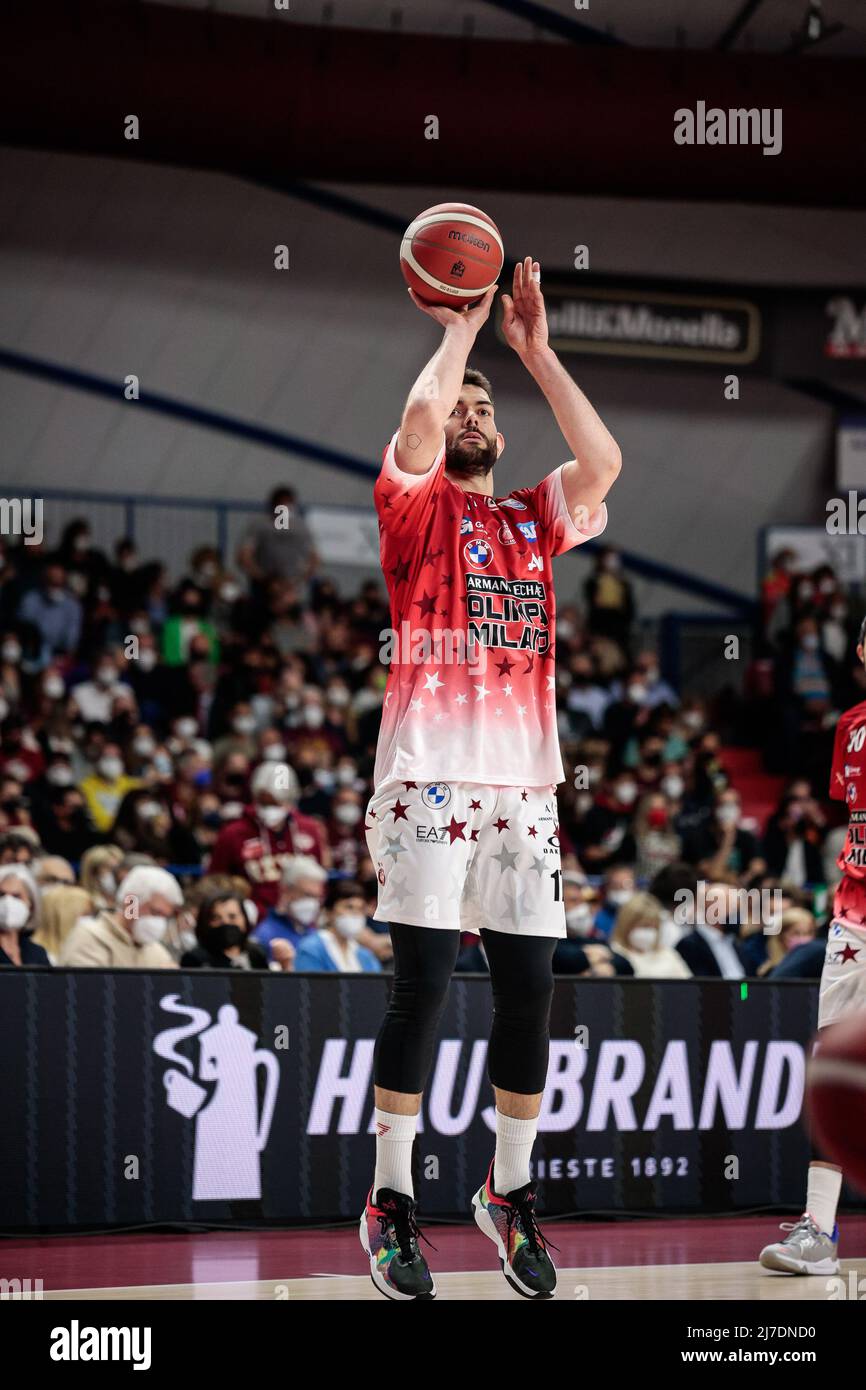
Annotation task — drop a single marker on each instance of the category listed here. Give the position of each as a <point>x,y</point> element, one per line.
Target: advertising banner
<point>139,1097</point>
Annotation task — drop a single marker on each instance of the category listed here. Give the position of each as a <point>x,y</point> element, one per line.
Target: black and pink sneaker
<point>510,1223</point>
<point>389,1234</point>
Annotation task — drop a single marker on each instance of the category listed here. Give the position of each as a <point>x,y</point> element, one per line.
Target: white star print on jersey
<point>465,566</point>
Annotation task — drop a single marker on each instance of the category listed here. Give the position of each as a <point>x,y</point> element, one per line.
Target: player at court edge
<point>812,1243</point>
<point>462,824</point>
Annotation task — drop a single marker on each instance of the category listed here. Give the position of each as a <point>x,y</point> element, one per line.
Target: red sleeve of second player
<point>837,772</point>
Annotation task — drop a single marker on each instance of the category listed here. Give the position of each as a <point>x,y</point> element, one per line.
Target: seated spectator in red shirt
<point>270,831</point>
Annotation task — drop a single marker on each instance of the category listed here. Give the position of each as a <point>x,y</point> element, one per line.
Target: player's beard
<point>471,459</point>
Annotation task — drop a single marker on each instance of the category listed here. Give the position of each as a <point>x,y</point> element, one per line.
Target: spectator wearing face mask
<point>187,623</point>
<point>609,599</point>
<point>19,918</point>
<point>346,831</point>
<point>796,928</point>
<point>99,870</point>
<point>223,938</point>
<point>270,831</point>
<point>604,836</point>
<point>712,950</point>
<point>54,612</point>
<point>619,885</point>
<point>132,933</point>
<point>93,700</point>
<point>720,846</point>
<point>315,738</point>
<point>638,935</point>
<point>630,716</point>
<point>335,946</point>
<point>658,843</point>
<point>298,905</point>
<point>241,737</point>
<point>104,789</point>
<point>587,699</point>
<point>580,905</point>
<point>794,837</point>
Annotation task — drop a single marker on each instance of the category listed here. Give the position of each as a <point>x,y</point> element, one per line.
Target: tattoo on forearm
<point>413,440</point>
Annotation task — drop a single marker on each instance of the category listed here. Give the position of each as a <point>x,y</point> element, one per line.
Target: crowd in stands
<point>204,749</point>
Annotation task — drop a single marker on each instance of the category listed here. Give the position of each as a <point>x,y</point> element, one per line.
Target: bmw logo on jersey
<point>478,553</point>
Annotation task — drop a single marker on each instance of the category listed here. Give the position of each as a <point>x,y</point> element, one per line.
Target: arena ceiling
<point>527,97</point>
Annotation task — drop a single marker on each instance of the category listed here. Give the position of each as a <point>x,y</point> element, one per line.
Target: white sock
<point>514,1141</point>
<point>395,1135</point>
<point>822,1196</point>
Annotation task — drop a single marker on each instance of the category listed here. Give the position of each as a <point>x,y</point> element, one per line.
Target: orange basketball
<point>451,254</point>
<point>836,1097</point>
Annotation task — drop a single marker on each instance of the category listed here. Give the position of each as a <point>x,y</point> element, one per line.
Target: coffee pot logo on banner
<point>230,1134</point>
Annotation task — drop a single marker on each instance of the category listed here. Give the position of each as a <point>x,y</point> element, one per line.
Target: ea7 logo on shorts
<point>436,795</point>
<point>527,528</point>
<point>437,834</point>
<point>478,553</point>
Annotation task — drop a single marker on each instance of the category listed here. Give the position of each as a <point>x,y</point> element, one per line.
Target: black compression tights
<point>522,979</point>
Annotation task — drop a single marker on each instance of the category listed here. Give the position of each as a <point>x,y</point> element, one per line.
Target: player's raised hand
<point>471,319</point>
<point>524,320</point>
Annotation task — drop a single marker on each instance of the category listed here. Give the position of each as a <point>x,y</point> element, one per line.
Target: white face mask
<point>144,746</point>
<point>338,695</point>
<point>272,816</point>
<point>146,930</point>
<point>244,724</point>
<point>59,776</point>
<point>274,753</point>
<point>110,768</point>
<point>347,814</point>
<point>346,776</point>
<point>108,884</point>
<point>106,675</point>
<point>626,793</point>
<point>578,921</point>
<point>13,913</point>
<point>231,810</point>
<point>305,910</point>
<point>728,813</point>
<point>618,896</point>
<point>643,939</point>
<point>11,651</point>
<point>314,716</point>
<point>673,787</point>
<point>147,659</point>
<point>186,728</point>
<point>53,688</point>
<point>637,694</point>
<point>349,924</point>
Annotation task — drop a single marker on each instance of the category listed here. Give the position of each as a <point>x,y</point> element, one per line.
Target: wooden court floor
<point>678,1259</point>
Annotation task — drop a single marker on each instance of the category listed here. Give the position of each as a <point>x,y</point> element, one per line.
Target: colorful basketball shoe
<point>510,1223</point>
<point>389,1234</point>
<point>805,1250</point>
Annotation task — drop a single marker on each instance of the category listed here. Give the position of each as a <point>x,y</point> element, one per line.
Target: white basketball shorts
<point>465,855</point>
<point>843,979</point>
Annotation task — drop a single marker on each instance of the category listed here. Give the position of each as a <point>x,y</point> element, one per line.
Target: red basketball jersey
<point>462,567</point>
<point>848,784</point>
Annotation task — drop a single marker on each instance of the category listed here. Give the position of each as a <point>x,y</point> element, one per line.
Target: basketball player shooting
<point>462,824</point>
<point>812,1243</point>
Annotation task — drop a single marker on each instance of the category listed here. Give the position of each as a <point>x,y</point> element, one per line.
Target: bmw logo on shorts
<point>478,553</point>
<point>436,795</point>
